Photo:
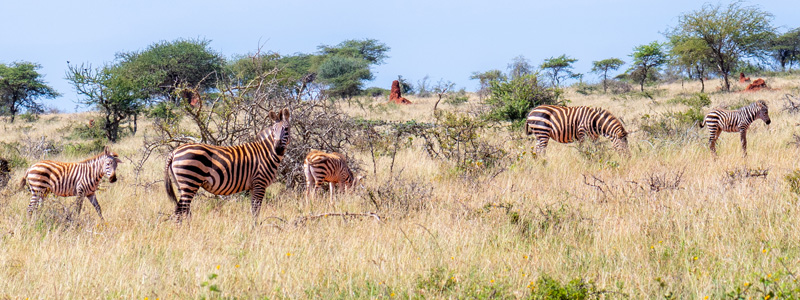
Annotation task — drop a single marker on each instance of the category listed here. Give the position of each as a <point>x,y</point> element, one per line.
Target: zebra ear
<point>274,116</point>
<point>105,149</point>
<point>285,115</point>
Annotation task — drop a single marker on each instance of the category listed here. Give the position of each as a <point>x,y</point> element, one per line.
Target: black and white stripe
<point>568,124</point>
<point>224,170</point>
<point>70,179</point>
<point>720,120</point>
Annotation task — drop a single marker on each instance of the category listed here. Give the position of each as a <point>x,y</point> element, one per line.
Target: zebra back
<point>327,167</point>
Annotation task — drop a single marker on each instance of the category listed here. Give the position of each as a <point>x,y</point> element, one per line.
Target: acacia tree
<point>111,90</point>
<point>20,88</point>
<point>559,68</point>
<point>646,60</point>
<point>692,56</point>
<point>731,33</point>
<point>785,49</point>
<point>519,66</point>
<point>346,66</point>
<point>163,66</point>
<point>485,79</point>
<point>603,66</point>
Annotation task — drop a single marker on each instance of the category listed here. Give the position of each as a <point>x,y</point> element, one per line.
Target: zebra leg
<point>331,190</point>
<point>712,140</point>
<point>79,204</point>
<point>93,200</point>
<point>182,209</point>
<point>258,192</point>
<point>743,135</point>
<point>541,144</point>
<point>34,203</point>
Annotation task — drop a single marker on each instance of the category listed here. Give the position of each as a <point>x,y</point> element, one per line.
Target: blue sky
<point>441,39</point>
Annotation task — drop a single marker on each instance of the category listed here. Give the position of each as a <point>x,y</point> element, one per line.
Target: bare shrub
<point>791,104</point>
<point>237,111</point>
<point>739,174</point>
<point>398,197</point>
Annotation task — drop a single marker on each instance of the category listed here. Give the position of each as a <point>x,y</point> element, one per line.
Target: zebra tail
<point>528,130</point>
<point>702,123</point>
<point>168,180</point>
<point>23,181</point>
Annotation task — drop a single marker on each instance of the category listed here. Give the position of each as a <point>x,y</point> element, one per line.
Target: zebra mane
<point>99,156</point>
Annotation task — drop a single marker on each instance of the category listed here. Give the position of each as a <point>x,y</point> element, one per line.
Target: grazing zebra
<point>567,124</point>
<point>70,179</point>
<point>719,120</point>
<point>320,167</point>
<point>224,170</point>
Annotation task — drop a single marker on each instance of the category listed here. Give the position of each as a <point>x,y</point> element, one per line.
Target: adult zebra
<point>321,167</point>
<point>567,124</point>
<point>224,170</point>
<point>70,179</point>
<point>719,120</point>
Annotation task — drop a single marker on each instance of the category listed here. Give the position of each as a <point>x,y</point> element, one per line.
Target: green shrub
<point>513,99</point>
<point>457,98</point>
<point>576,289</point>
<point>12,153</point>
<point>793,179</point>
<point>587,89</point>
<point>84,149</point>
<point>697,100</point>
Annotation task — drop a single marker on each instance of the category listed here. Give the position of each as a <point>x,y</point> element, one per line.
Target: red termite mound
<point>743,79</point>
<point>757,85</point>
<point>394,95</point>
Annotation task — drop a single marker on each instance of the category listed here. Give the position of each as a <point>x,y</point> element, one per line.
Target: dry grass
<point>708,232</point>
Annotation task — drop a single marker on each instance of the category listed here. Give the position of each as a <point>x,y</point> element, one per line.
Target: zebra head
<point>763,111</point>
<point>280,131</point>
<point>110,161</point>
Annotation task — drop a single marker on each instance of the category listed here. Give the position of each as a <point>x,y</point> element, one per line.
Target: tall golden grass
<point>715,232</point>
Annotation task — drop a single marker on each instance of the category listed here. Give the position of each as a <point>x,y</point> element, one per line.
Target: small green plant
<point>576,289</point>
<point>793,179</point>
<point>213,288</point>
<point>438,280</point>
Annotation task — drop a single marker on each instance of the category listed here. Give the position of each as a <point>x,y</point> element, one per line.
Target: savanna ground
<point>668,222</point>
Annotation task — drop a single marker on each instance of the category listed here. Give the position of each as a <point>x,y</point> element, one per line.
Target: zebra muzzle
<point>113,178</point>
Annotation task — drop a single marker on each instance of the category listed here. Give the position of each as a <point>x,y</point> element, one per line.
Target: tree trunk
<point>135,125</point>
<point>702,85</point>
<point>605,81</point>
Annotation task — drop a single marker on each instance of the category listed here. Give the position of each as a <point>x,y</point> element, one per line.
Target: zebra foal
<point>70,179</point>
<point>321,167</point>
<point>568,124</point>
<point>222,170</point>
<point>720,120</point>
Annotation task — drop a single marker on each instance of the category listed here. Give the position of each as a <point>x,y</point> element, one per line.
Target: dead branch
<point>302,220</point>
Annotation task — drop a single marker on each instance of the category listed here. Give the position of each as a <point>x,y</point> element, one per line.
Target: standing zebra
<point>320,167</point>
<point>224,170</point>
<point>719,120</point>
<point>70,179</point>
<point>567,124</point>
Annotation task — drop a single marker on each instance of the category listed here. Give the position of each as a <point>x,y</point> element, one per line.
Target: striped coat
<point>568,124</point>
<point>720,120</point>
<point>321,167</point>
<point>224,170</point>
<point>70,179</point>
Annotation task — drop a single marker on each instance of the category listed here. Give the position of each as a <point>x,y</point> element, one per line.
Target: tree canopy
<point>646,60</point>
<point>21,87</point>
<point>731,33</point>
<point>785,48</point>
<point>559,68</point>
<point>165,65</point>
<point>603,66</point>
